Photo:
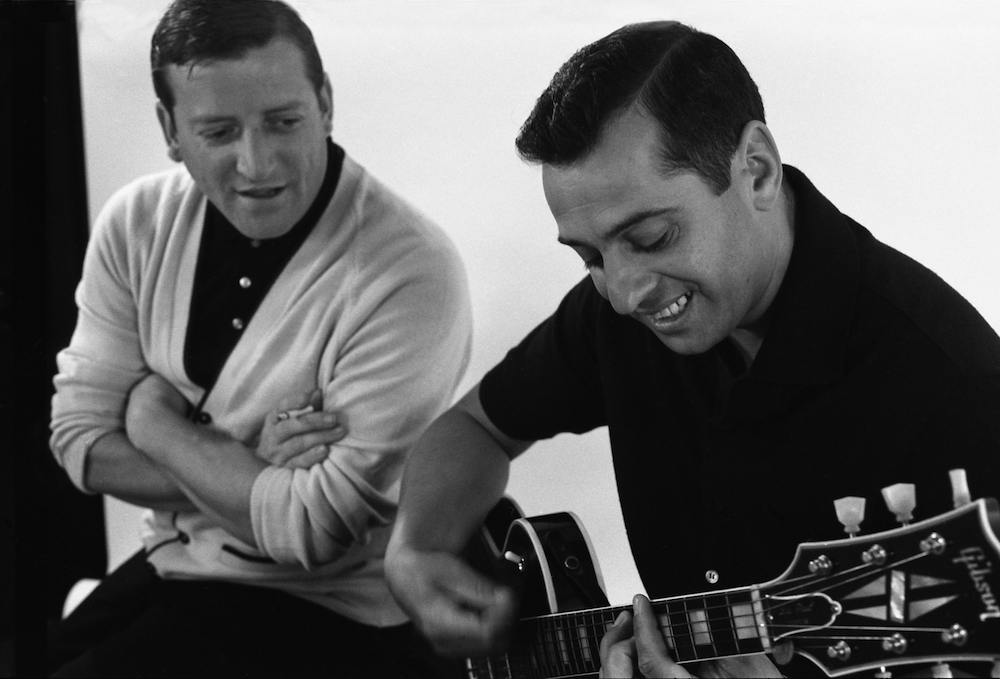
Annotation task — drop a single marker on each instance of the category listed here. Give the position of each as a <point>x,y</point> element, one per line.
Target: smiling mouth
<point>672,311</point>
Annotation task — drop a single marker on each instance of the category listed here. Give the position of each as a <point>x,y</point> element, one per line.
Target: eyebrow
<point>277,110</point>
<point>625,224</point>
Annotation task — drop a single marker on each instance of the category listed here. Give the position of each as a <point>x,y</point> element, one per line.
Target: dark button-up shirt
<point>873,371</point>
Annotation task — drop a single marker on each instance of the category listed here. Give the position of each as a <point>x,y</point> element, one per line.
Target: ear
<point>325,96</point>
<point>169,132</point>
<point>758,161</point>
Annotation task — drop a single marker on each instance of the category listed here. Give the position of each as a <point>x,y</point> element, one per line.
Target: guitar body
<point>550,560</point>
<point>560,571</point>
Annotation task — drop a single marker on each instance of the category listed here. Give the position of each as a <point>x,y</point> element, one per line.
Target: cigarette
<point>295,412</point>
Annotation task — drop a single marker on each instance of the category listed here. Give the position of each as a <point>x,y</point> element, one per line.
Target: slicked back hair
<point>691,83</point>
<point>196,31</point>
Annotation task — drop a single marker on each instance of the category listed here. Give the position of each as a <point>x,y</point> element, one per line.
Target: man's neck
<point>749,339</point>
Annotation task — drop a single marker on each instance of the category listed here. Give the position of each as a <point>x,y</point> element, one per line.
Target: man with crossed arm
<point>263,333</point>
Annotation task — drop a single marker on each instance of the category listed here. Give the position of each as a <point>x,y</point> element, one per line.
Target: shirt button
<point>244,282</point>
<point>238,323</point>
<point>255,243</point>
<point>712,576</point>
<point>204,418</point>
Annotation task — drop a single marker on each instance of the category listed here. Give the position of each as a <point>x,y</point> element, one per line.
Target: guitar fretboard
<point>700,627</point>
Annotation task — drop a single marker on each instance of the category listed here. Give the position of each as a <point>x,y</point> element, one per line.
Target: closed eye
<point>656,245</point>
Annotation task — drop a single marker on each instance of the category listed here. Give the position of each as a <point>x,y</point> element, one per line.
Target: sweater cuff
<point>74,460</point>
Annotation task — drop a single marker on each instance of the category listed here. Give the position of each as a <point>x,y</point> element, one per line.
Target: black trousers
<point>135,624</point>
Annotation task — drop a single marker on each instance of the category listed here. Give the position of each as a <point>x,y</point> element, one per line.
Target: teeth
<point>673,309</point>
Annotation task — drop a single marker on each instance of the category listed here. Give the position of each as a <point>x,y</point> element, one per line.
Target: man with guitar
<point>755,354</point>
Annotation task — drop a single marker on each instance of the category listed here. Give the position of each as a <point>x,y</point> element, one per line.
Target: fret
<point>533,648</point>
<point>702,627</point>
<point>748,622</point>
<point>683,636</point>
<point>579,637</point>
<point>584,632</point>
<point>504,663</point>
<point>666,630</point>
<point>553,648</point>
<point>549,651</point>
<point>744,623</point>
<point>697,627</point>
<point>701,635</point>
<point>564,640</point>
<point>722,622</point>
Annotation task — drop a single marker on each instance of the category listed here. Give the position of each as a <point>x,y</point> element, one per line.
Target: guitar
<point>924,593</point>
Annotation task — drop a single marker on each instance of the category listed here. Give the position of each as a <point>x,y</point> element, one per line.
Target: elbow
<point>292,530</point>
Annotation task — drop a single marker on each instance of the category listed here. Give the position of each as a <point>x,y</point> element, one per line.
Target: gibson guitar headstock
<point>925,592</point>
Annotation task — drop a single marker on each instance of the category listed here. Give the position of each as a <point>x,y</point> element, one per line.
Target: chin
<point>253,226</point>
<point>687,346</point>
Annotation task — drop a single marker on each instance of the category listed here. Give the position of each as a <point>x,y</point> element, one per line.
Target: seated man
<point>754,353</point>
<point>263,333</point>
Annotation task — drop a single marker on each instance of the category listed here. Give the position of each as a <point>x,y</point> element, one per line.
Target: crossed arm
<point>164,461</point>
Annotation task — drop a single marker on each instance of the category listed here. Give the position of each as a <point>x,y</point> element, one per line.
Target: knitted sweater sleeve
<point>396,357</point>
<point>104,359</point>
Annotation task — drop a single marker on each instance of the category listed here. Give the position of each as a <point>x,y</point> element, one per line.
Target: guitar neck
<point>694,627</point>
<point>922,593</point>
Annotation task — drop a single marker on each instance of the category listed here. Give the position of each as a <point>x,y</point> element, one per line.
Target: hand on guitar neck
<point>923,594</point>
<point>635,641</point>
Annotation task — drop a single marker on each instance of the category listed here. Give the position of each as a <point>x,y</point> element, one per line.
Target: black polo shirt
<point>233,275</point>
<point>873,372</point>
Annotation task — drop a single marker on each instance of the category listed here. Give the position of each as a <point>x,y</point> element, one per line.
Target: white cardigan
<point>373,308</point>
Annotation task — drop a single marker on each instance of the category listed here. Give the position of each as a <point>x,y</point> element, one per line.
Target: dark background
<point>51,535</point>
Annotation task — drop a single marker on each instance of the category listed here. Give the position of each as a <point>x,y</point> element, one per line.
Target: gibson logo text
<point>975,560</point>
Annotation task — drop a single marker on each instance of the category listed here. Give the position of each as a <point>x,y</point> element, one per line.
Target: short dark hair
<point>194,31</point>
<point>692,83</point>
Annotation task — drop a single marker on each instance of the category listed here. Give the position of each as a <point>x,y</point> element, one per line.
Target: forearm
<point>453,477</point>
<point>215,472</point>
<point>115,467</point>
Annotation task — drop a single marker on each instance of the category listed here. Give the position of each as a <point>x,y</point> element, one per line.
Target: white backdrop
<point>891,108</point>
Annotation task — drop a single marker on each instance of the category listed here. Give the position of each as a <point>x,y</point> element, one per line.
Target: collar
<point>225,232</point>
<point>812,313</point>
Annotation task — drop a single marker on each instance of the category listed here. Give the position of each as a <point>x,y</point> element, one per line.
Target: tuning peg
<point>959,487</point>
<point>850,512</point>
<point>941,671</point>
<point>901,498</point>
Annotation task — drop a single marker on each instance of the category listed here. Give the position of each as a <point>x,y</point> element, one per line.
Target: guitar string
<point>878,570</point>
<point>553,658</point>
<point>561,646</point>
<point>593,629</point>
<point>840,581</point>
<point>554,652</point>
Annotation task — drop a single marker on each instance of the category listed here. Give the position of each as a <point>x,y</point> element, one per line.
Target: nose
<point>626,284</point>
<point>254,155</point>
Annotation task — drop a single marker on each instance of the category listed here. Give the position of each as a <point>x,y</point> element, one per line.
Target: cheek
<point>213,170</point>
